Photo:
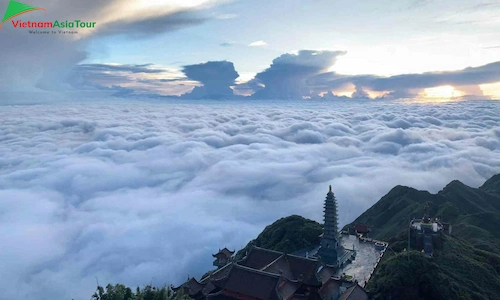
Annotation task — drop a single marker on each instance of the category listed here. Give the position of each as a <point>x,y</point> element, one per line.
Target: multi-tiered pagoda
<point>330,251</point>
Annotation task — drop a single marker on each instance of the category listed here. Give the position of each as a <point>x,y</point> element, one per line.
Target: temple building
<point>361,230</point>
<point>425,232</point>
<point>266,274</point>
<point>223,257</point>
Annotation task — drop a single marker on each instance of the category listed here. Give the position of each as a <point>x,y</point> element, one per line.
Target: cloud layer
<point>143,191</point>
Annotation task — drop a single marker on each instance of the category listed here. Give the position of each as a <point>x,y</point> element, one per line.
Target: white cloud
<point>39,62</point>
<point>258,44</point>
<point>137,191</point>
<point>226,16</point>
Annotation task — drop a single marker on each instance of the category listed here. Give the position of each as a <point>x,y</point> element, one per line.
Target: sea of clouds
<point>143,192</point>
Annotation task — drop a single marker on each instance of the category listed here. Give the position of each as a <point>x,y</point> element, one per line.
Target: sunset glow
<point>442,92</point>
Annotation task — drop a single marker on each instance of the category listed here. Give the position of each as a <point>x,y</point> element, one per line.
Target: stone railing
<point>382,252</point>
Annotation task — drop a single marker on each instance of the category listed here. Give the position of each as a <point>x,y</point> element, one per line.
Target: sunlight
<point>442,92</point>
<point>492,90</point>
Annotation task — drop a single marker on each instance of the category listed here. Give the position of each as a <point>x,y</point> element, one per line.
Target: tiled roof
<point>304,268</point>
<point>296,268</point>
<point>325,274</point>
<point>361,228</point>
<point>266,274</point>
<point>355,292</point>
<point>258,258</point>
<point>225,252</point>
<point>330,288</point>
<point>249,282</point>
<point>290,266</point>
<point>222,272</point>
<point>287,288</point>
<point>191,287</point>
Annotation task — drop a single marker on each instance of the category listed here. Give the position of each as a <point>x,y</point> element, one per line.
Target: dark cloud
<point>112,19</point>
<point>360,93</point>
<point>33,62</point>
<point>295,76</point>
<point>217,78</point>
<point>129,80</point>
<point>405,85</point>
<point>489,73</point>
<point>145,68</point>
<point>248,88</point>
<point>143,28</point>
<point>286,77</point>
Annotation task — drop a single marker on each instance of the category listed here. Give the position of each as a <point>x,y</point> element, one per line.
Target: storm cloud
<point>466,80</point>
<point>216,78</point>
<point>129,80</point>
<point>44,62</point>
<point>140,192</point>
<point>287,75</point>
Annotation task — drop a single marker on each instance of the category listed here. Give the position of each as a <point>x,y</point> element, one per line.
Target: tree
<point>121,292</point>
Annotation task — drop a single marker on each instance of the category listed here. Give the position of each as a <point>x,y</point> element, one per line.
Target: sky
<point>452,48</point>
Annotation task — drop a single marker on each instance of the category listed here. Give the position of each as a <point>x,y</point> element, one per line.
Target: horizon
<point>216,49</point>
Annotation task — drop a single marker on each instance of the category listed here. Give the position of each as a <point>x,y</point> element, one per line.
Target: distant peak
<point>492,185</point>
<point>454,185</point>
<point>494,179</point>
<point>398,190</point>
<point>456,182</point>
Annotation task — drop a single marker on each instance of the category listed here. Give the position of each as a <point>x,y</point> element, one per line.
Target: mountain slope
<point>287,234</point>
<point>473,212</point>
<point>492,185</point>
<point>466,265</point>
<point>457,271</point>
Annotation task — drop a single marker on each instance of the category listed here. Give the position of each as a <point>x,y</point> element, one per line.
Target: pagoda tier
<point>330,248</point>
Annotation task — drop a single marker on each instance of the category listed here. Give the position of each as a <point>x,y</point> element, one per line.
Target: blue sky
<point>378,35</point>
<point>380,38</point>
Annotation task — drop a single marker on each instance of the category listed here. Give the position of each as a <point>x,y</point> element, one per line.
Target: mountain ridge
<point>465,264</point>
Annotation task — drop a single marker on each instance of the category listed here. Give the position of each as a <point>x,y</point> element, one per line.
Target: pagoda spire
<point>329,240</point>
<point>330,217</point>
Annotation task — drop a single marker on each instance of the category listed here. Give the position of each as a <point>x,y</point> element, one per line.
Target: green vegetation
<point>473,213</point>
<point>465,265</point>
<point>288,234</point>
<point>457,271</point>
<point>121,292</point>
